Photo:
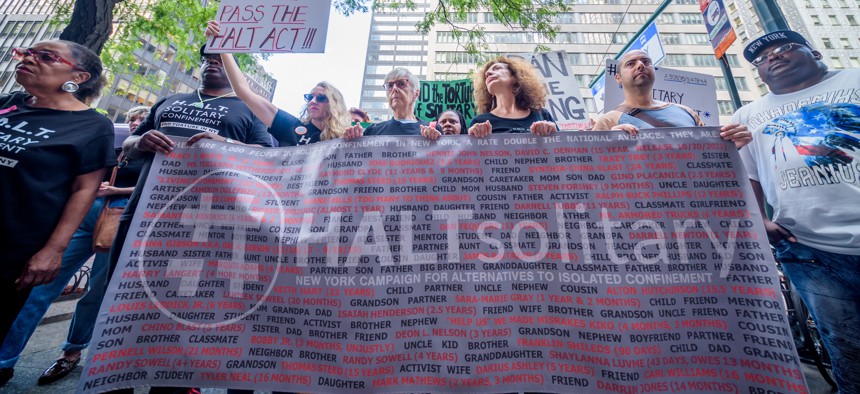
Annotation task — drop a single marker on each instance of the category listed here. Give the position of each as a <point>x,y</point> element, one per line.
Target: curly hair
<point>88,61</point>
<point>529,89</point>
<point>338,117</point>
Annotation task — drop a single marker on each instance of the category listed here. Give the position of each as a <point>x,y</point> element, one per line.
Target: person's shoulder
<point>377,128</point>
<point>607,121</point>
<point>481,118</point>
<point>12,98</point>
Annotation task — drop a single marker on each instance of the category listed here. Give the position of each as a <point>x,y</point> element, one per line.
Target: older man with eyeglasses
<point>401,88</point>
<point>804,161</point>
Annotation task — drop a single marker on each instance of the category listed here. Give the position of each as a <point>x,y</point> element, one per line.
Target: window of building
<point>590,105</point>
<point>733,60</point>
<point>836,62</point>
<point>807,3</point>
<point>725,107</point>
<point>815,20</point>
<point>827,43</point>
<point>691,19</point>
<point>842,3</point>
<point>674,60</point>
<point>705,61</point>
<point>696,38</point>
<point>846,43</point>
<point>671,38</point>
<point>853,61</point>
<point>825,3</point>
<point>738,22</point>
<point>720,83</point>
<point>851,20</point>
<point>667,19</point>
<point>733,8</point>
<point>833,20</point>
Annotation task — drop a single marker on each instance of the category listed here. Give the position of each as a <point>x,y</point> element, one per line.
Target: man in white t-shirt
<point>804,161</point>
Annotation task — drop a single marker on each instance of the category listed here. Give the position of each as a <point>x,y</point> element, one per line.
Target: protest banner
<point>298,26</point>
<point>579,262</point>
<point>436,97</point>
<point>694,90</point>
<point>565,100</point>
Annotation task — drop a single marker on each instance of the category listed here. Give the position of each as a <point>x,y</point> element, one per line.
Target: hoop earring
<point>70,87</point>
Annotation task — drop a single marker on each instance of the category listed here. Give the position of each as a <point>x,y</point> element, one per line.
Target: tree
<point>180,22</point>
<point>91,23</point>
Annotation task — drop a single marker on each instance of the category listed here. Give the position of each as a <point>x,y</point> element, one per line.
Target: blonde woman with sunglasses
<point>324,117</point>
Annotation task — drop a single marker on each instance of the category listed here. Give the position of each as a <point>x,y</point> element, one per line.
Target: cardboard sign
<point>298,26</point>
<point>694,90</point>
<point>565,100</point>
<point>439,96</point>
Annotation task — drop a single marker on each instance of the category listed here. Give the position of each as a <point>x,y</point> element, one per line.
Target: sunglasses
<point>321,98</point>
<point>400,83</point>
<point>19,54</point>
<point>776,52</point>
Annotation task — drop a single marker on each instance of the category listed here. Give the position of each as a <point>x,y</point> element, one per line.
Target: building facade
<point>24,22</point>
<point>597,29</point>
<point>393,42</point>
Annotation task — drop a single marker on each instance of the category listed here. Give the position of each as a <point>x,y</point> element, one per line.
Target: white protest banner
<point>565,100</point>
<point>298,26</point>
<point>586,262</point>
<point>694,90</point>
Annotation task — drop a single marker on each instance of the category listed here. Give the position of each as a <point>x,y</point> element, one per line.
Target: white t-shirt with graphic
<point>805,153</point>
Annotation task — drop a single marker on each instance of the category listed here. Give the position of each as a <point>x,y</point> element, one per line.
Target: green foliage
<point>181,24</point>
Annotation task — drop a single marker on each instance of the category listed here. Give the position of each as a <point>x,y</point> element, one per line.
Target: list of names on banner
<point>579,262</point>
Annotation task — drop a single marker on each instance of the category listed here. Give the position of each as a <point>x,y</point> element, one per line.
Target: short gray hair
<point>135,111</point>
<point>401,73</point>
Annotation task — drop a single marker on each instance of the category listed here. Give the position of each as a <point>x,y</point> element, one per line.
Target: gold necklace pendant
<point>199,104</point>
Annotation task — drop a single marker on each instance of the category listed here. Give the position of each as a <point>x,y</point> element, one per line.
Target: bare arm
<point>45,264</point>
<point>262,108</point>
<point>775,232</point>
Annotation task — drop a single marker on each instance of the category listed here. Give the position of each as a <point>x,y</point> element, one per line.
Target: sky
<point>342,64</point>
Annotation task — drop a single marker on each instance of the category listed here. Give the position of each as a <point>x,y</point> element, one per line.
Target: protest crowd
<point>66,174</point>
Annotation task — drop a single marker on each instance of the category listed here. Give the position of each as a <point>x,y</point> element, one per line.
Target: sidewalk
<point>45,347</point>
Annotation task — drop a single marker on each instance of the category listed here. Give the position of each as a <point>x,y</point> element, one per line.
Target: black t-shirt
<point>177,116</point>
<point>289,130</point>
<point>395,127</point>
<point>505,125</point>
<point>42,151</point>
<point>128,172</point>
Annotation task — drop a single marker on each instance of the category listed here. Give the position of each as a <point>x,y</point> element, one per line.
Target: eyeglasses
<point>19,54</point>
<point>321,98</point>
<point>776,52</point>
<point>400,83</point>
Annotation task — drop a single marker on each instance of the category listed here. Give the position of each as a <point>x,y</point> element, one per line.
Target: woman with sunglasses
<point>511,98</point>
<point>324,117</point>
<point>53,153</point>
<point>401,88</point>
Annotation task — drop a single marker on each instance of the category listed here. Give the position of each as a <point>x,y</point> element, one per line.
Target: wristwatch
<point>229,141</point>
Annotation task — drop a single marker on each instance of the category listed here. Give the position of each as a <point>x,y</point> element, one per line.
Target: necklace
<point>199,104</point>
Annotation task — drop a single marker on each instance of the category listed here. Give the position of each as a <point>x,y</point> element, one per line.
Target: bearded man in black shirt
<point>211,112</point>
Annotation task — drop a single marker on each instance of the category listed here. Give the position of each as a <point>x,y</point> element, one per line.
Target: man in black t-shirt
<point>212,112</point>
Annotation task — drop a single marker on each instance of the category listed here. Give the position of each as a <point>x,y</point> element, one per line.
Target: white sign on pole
<point>694,90</point>
<point>298,26</point>
<point>565,100</point>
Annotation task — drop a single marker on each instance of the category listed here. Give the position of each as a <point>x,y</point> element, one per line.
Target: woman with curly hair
<point>324,117</point>
<point>510,97</point>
